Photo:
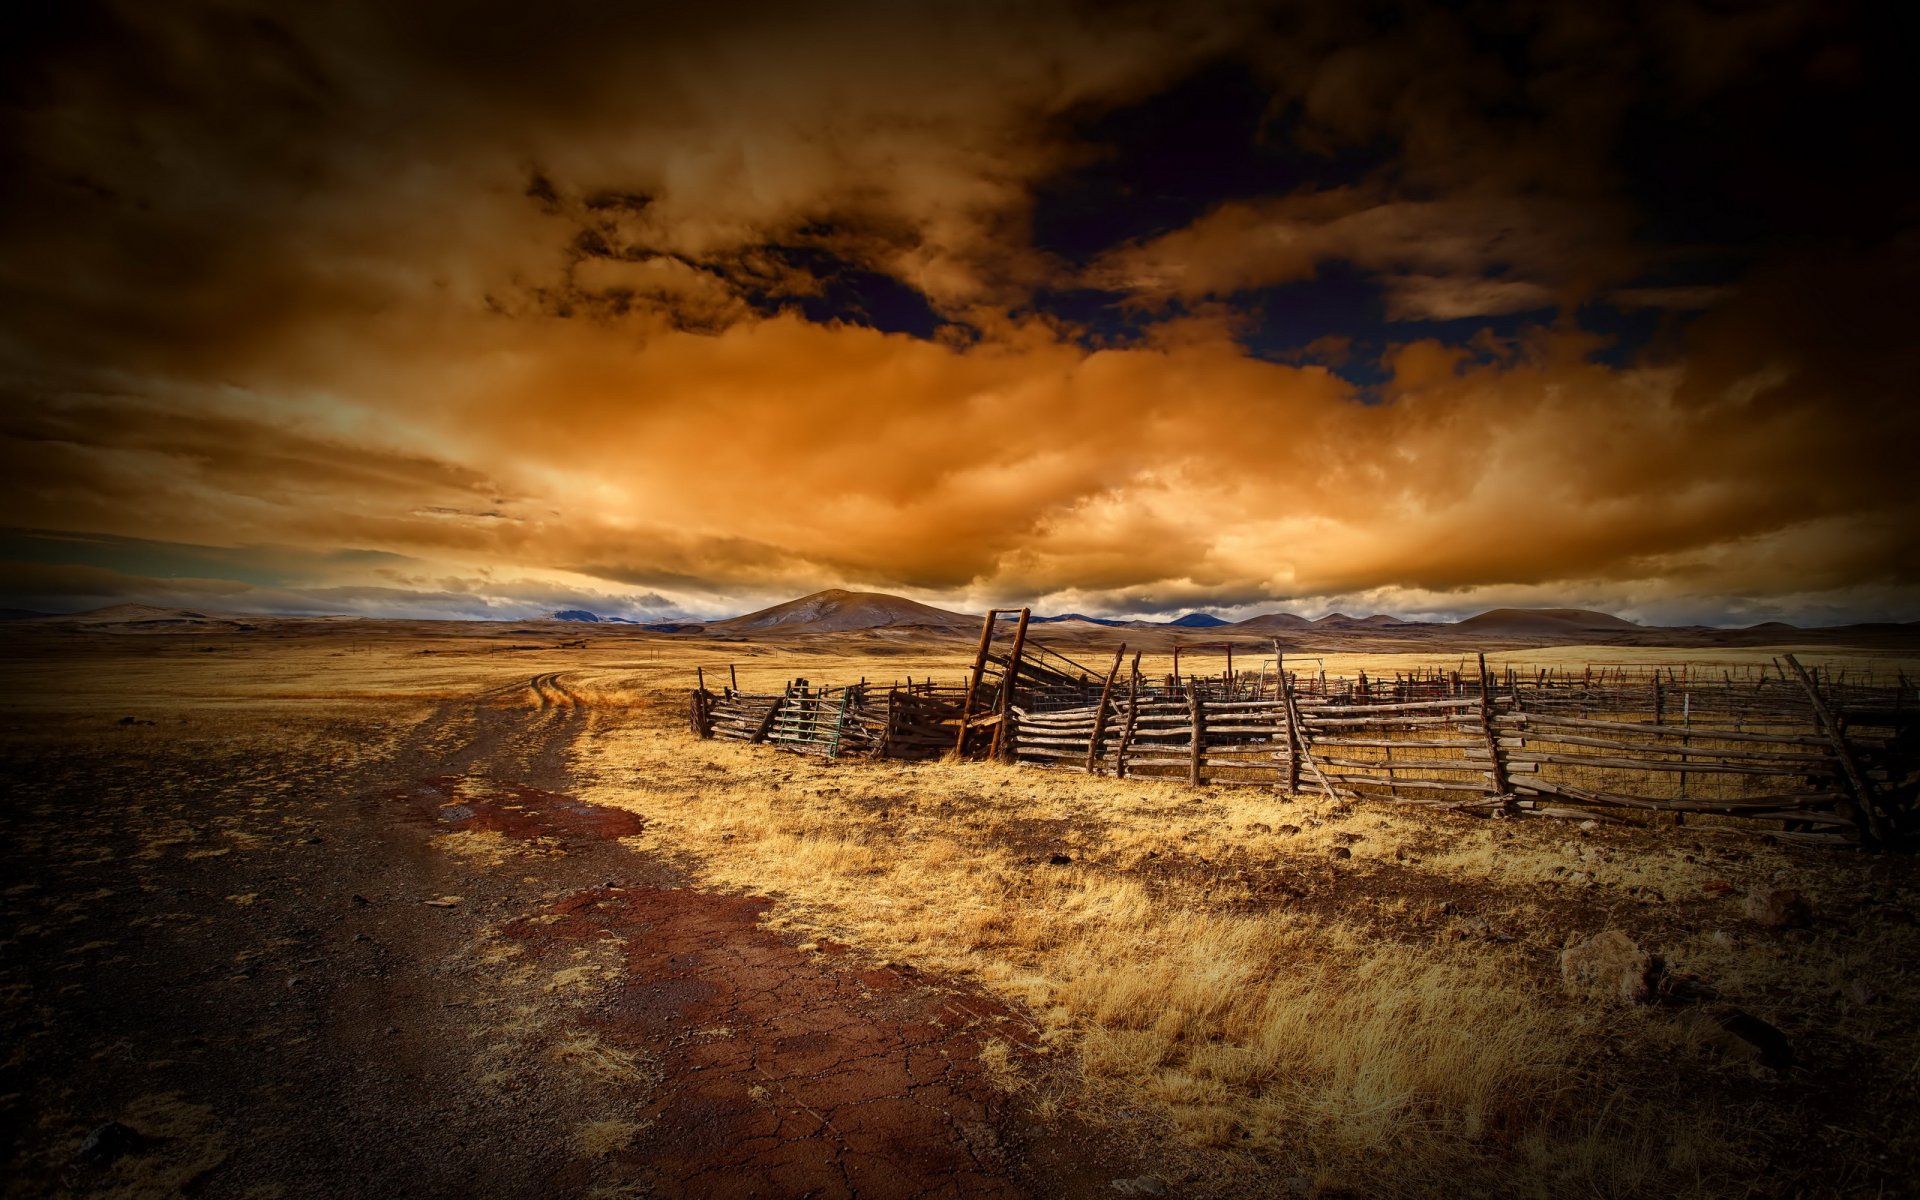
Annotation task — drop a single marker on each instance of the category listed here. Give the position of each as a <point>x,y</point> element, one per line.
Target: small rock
<point>1061,860</point>
<point>1588,825</point>
<point>1741,1036</point>
<point>1609,966</point>
<point>1287,830</point>
<point>1462,929</point>
<point>108,1143</point>
<point>359,899</point>
<point>1778,908</point>
<point>1342,852</point>
<point>442,902</point>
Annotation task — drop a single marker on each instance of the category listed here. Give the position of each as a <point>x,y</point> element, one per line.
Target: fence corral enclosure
<point>1783,752</point>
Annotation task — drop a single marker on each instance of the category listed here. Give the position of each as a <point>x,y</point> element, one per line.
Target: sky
<point>430,310</point>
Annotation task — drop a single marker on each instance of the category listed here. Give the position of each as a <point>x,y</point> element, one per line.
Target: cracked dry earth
<point>364,951</point>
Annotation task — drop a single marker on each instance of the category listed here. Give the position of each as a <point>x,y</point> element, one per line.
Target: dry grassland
<point>1299,996</point>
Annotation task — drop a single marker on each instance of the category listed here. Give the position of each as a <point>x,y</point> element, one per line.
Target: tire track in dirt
<point>782,1071</point>
<point>790,1071</point>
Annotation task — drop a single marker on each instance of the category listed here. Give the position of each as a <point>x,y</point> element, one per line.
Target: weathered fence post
<point>1100,714</point>
<point>1133,719</point>
<point>1874,828</point>
<point>1198,747</point>
<point>1291,779</point>
<point>973,681</point>
<point>701,719</point>
<point>1496,770</point>
<point>1003,732</point>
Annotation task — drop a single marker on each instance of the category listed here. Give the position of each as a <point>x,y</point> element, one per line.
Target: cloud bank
<point>669,314</point>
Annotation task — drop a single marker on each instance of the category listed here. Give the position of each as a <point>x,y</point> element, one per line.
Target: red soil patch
<point>790,1073</point>
<point>516,810</point>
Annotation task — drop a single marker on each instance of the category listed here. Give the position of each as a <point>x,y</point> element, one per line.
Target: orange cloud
<point>509,304</point>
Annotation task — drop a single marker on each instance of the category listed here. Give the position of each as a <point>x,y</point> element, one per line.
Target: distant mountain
<point>575,614</point>
<point>1108,621</point>
<point>837,611</point>
<point>1196,620</point>
<point>20,614</point>
<point>1772,627</point>
<point>1278,620</point>
<point>138,614</point>
<point>1546,621</point>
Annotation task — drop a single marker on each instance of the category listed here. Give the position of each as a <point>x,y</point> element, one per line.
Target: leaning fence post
<point>773,711</point>
<point>1496,769</point>
<point>1292,778</point>
<point>1003,732</point>
<point>973,681</point>
<point>702,721</point>
<point>1874,828</point>
<point>1100,714</point>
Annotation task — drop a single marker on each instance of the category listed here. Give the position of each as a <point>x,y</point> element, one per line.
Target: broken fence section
<point>1787,754</point>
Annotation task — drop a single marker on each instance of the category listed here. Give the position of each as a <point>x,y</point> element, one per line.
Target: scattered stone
<point>1740,1036</point>
<point>108,1143</point>
<point>1778,908</point>
<point>1609,966</point>
<point>1342,852</point>
<point>1061,860</point>
<point>443,902</point>
<point>1588,825</point>
<point>359,899</point>
<point>1462,929</point>
<point>1287,830</point>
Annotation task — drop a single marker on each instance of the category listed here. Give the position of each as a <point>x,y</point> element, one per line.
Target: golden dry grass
<point>1325,1033</point>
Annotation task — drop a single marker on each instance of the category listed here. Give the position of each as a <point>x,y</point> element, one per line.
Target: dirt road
<point>385,953</point>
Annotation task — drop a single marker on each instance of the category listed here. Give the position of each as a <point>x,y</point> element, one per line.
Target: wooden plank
<point>1637,764</point>
<point>1524,723</point>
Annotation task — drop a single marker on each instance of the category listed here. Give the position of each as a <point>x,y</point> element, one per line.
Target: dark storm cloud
<point>1141,305</point>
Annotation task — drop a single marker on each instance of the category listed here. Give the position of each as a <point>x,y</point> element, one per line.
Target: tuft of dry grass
<point>597,1139</point>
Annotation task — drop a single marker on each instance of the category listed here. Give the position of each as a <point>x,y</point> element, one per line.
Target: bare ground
<point>297,961</point>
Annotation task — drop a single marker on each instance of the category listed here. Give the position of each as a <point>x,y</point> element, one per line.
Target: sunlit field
<point>1254,993</point>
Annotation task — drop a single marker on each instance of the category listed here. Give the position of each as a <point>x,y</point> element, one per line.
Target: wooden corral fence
<point>1788,753</point>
